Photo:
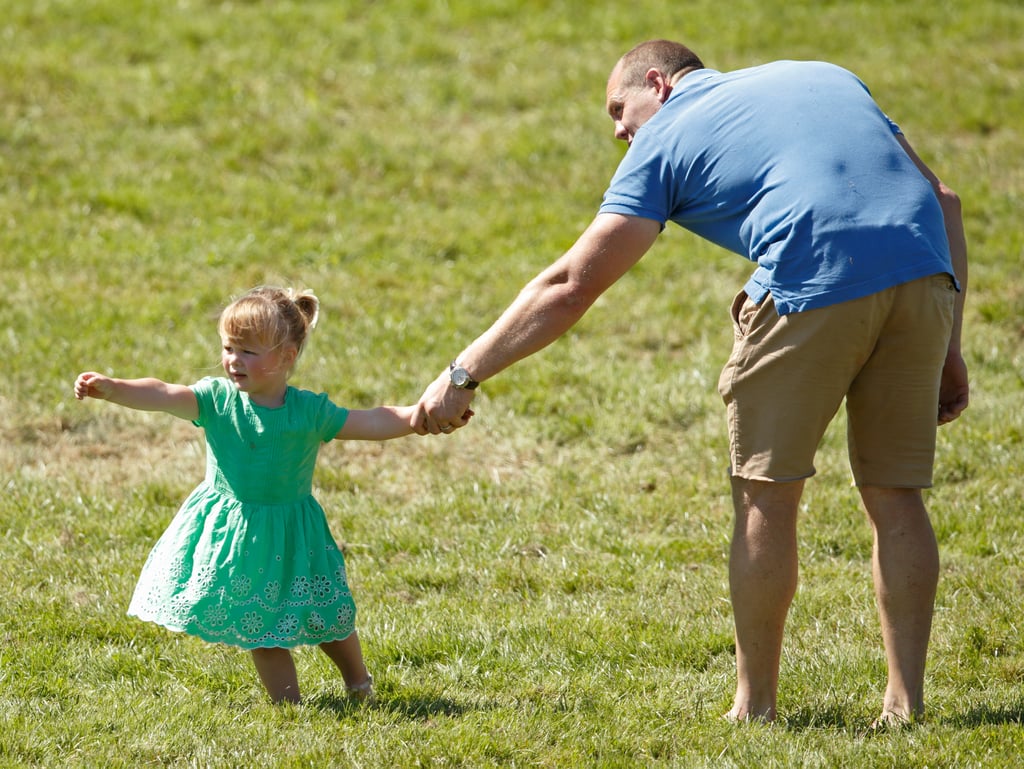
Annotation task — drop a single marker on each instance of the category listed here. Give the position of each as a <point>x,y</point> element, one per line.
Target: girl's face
<point>258,370</point>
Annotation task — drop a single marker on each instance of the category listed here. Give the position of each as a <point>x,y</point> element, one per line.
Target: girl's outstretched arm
<point>381,423</point>
<point>142,394</point>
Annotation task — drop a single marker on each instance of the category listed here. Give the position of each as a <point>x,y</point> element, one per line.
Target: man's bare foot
<point>892,721</point>
<point>743,716</point>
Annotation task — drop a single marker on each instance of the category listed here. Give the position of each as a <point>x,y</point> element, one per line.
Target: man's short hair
<point>664,55</point>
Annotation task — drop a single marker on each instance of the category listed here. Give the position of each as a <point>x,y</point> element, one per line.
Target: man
<point>857,295</point>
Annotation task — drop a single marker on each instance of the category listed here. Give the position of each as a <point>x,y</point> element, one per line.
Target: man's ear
<point>656,79</point>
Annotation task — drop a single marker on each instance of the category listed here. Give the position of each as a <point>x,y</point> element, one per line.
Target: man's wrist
<point>460,377</point>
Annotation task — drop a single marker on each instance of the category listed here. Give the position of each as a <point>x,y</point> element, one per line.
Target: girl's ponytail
<point>308,305</point>
<point>275,316</point>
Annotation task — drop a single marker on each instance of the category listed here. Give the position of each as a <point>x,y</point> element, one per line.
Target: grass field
<point>547,587</point>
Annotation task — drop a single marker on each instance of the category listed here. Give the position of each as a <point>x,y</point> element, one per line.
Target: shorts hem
<point>768,479</point>
<point>921,486</point>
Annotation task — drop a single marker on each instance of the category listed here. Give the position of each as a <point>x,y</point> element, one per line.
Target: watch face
<point>460,377</point>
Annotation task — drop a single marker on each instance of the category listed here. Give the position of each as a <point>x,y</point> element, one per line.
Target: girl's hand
<point>449,429</point>
<point>92,385</point>
<point>440,406</point>
<point>145,394</point>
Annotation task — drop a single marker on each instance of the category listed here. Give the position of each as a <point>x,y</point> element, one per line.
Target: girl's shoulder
<point>309,402</point>
<point>214,396</point>
<point>316,410</point>
<point>299,395</point>
<point>214,387</point>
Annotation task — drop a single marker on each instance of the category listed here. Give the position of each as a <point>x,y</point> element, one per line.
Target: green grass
<point>548,587</point>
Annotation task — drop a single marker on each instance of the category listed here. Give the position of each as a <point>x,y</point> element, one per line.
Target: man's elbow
<point>564,289</point>
<point>949,201</point>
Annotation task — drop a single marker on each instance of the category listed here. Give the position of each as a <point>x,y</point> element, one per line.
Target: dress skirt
<point>248,575</point>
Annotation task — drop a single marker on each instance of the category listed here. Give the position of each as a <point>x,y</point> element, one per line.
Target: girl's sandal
<point>363,692</point>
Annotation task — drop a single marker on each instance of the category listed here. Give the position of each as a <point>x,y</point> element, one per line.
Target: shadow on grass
<point>410,707</point>
<point>834,717</point>
<point>986,715</point>
<point>837,717</point>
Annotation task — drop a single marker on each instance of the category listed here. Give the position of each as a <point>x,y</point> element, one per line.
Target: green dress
<point>248,559</point>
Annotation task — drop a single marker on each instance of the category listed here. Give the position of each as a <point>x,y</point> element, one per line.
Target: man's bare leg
<point>905,566</point>
<point>762,581</point>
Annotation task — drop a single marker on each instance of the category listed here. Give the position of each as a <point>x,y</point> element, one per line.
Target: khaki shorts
<point>788,375</point>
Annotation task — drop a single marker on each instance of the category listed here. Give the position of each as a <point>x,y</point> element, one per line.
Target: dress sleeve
<point>208,391</point>
<point>335,419</point>
<point>324,416</point>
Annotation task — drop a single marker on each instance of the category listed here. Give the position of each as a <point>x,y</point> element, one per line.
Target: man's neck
<point>680,75</point>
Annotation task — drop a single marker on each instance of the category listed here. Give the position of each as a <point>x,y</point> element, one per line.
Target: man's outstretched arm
<point>547,307</point>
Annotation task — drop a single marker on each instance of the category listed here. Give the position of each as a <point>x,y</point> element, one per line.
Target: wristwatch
<point>461,378</point>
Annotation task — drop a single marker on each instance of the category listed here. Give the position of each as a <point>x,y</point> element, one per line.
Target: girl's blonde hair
<point>274,316</point>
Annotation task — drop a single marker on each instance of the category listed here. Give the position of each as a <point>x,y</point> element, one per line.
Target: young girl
<point>249,560</point>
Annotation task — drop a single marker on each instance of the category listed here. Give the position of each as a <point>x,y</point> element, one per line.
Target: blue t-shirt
<point>793,166</point>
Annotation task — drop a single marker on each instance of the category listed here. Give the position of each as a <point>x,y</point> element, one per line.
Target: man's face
<point>630,108</point>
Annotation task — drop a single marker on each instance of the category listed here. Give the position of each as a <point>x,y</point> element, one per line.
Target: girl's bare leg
<point>347,654</point>
<point>277,672</point>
